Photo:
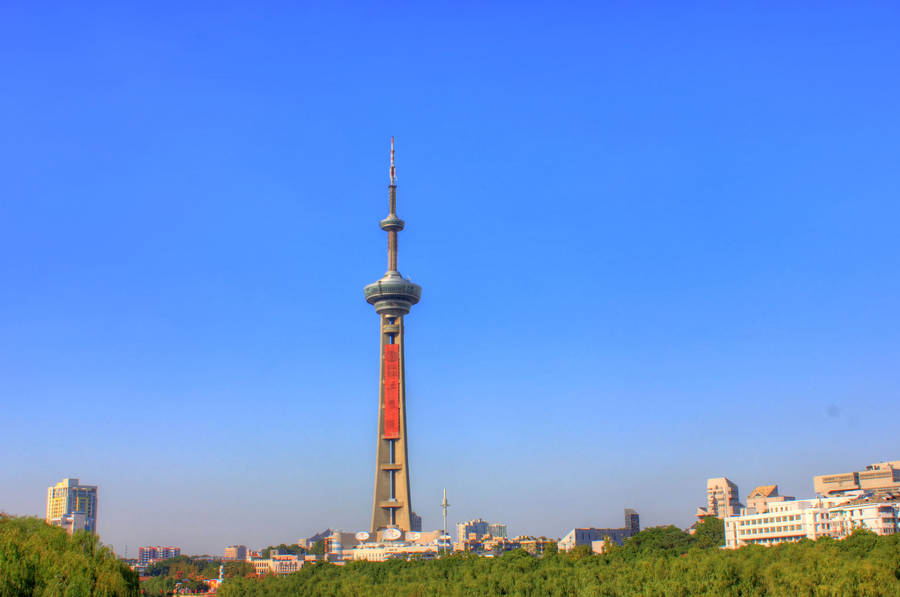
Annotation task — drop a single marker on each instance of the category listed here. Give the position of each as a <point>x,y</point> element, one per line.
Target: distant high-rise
<point>236,552</point>
<point>632,521</point>
<point>154,553</point>
<point>477,527</point>
<point>722,499</point>
<point>72,506</point>
<point>392,296</point>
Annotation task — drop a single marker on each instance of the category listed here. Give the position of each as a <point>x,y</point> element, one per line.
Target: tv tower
<point>392,296</point>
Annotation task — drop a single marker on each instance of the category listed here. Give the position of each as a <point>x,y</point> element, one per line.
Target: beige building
<point>236,552</point>
<point>380,548</point>
<point>760,498</point>
<point>721,499</point>
<point>782,522</point>
<point>278,564</point>
<point>381,552</point>
<point>878,476</point>
<point>72,506</point>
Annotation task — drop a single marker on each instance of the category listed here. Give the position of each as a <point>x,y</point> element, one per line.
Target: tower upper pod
<point>393,295</point>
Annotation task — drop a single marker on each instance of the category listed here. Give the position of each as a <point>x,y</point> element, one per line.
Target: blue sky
<point>658,243</point>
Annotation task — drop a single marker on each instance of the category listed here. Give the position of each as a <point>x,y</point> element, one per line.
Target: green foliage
<point>285,548</point>
<point>38,559</point>
<point>668,540</point>
<point>159,586</point>
<point>233,569</point>
<point>188,573</point>
<point>656,562</point>
<point>318,548</point>
<point>184,567</point>
<point>710,532</point>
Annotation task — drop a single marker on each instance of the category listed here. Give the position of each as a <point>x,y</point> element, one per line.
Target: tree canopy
<point>658,561</point>
<point>39,559</point>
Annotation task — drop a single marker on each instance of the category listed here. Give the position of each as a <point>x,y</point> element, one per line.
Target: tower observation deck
<point>392,296</point>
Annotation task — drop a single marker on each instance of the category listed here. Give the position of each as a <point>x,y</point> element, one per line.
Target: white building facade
<point>793,520</point>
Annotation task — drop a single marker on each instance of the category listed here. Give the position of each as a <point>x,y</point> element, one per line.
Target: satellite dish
<point>362,536</point>
<point>413,535</point>
<point>391,534</point>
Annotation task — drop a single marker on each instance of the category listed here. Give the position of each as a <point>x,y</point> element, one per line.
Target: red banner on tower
<point>391,391</point>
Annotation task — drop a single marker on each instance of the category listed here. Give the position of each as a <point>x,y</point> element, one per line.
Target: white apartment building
<point>381,552</point>
<point>794,520</point>
<point>877,513</point>
<point>278,564</point>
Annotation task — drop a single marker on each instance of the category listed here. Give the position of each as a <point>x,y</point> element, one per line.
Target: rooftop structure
<point>878,476</point>
<point>392,296</point>
<point>760,498</point>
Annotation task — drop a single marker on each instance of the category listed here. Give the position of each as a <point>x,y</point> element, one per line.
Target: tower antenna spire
<point>393,170</point>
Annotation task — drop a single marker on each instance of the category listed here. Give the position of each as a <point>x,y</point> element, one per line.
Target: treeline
<point>660,561</point>
<point>38,559</point>
<point>188,574</point>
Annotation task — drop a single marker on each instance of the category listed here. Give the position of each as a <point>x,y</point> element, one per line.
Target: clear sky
<point>658,243</point>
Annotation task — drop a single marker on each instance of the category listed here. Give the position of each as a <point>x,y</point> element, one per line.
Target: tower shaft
<point>391,503</point>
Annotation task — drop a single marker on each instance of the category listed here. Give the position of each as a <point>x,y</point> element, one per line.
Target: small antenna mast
<point>444,505</point>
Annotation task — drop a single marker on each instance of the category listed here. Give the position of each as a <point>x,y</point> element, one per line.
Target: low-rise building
<point>278,563</point>
<point>793,520</point>
<point>877,512</point>
<point>588,535</point>
<point>381,552</point>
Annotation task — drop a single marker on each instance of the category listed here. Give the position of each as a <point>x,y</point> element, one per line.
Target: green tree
<point>39,559</point>
<point>239,569</point>
<point>710,532</point>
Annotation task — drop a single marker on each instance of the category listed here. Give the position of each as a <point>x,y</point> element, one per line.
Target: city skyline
<point>658,246</point>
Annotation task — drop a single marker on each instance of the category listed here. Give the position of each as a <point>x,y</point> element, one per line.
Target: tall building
<point>477,527</point>
<point>72,506</point>
<point>721,499</point>
<point>632,521</point>
<point>153,553</point>
<point>878,476</point>
<point>497,529</point>
<point>236,552</point>
<point>393,296</point>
